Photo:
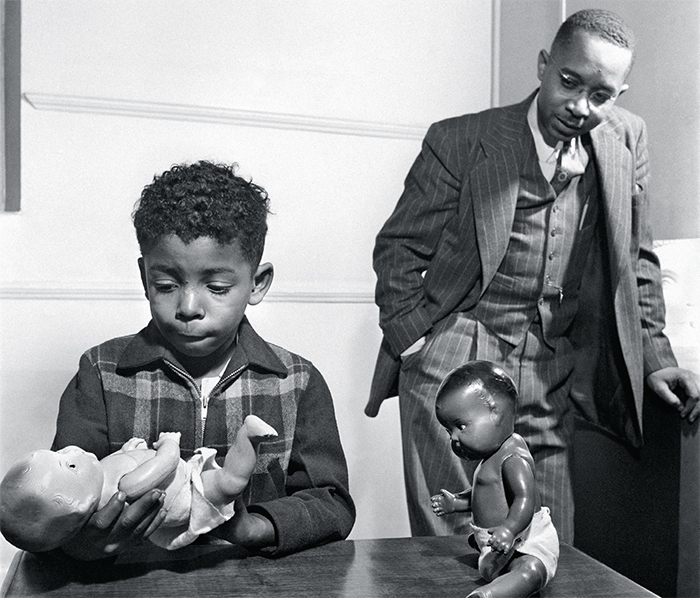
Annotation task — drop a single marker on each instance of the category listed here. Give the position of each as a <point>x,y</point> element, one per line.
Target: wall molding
<point>225,116</point>
<point>127,292</point>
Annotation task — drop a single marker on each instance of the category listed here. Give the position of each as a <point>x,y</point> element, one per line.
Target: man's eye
<point>568,83</point>
<point>600,98</point>
<point>462,427</point>
<point>164,287</point>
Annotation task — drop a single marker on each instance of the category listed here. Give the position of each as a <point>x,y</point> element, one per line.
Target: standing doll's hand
<point>443,503</point>
<point>117,527</point>
<point>446,502</point>
<point>501,540</point>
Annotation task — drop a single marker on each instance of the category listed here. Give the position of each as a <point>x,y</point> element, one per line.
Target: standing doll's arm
<point>519,483</point>
<point>448,502</point>
<point>152,473</point>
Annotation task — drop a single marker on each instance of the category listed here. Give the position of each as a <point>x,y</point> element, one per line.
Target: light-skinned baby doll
<point>47,496</point>
<point>519,546</point>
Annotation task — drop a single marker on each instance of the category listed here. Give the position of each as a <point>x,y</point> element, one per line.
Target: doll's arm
<point>447,502</point>
<point>150,474</point>
<point>519,482</point>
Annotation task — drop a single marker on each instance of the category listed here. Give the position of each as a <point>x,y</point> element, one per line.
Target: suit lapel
<point>614,164</point>
<point>494,185</point>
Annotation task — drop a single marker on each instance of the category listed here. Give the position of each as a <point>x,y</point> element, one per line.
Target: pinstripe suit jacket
<point>450,230</point>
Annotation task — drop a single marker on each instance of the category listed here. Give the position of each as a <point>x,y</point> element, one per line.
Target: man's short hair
<point>603,23</point>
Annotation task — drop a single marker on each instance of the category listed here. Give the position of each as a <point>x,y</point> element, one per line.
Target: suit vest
<point>540,275</point>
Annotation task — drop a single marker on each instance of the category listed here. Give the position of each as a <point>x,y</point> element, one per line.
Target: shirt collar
<point>546,153</point>
<point>148,346</point>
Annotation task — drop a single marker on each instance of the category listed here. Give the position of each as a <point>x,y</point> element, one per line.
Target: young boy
<point>47,496</point>
<point>199,368</point>
<point>476,404</point>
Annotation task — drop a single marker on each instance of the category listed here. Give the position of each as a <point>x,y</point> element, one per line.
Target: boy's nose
<point>189,307</point>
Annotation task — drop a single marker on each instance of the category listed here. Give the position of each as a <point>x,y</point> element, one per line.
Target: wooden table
<point>400,567</point>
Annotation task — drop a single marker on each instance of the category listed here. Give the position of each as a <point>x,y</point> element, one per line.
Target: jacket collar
<point>149,346</point>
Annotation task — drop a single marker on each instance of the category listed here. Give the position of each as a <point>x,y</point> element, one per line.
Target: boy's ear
<point>144,280</point>
<point>261,283</point>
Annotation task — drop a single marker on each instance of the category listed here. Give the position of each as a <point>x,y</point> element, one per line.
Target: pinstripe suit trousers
<point>545,419</point>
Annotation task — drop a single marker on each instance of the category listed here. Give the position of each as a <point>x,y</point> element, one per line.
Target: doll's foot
<point>257,430</point>
<point>167,435</point>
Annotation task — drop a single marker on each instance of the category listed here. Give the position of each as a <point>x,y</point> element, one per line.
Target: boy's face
<point>475,430</point>
<point>199,291</point>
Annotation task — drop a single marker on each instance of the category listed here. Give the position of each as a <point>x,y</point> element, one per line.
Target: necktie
<point>569,165</point>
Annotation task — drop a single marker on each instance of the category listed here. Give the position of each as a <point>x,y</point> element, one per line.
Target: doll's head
<point>47,496</point>
<point>476,404</point>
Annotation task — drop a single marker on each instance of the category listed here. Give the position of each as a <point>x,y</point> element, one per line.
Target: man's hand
<point>117,526</point>
<point>679,388</point>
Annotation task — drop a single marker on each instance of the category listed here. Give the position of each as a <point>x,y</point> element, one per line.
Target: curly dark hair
<point>204,199</point>
<point>603,23</point>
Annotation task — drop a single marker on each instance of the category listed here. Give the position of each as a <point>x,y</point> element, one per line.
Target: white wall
<point>322,102</point>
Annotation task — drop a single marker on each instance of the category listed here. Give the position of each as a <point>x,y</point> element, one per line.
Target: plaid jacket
<point>133,386</point>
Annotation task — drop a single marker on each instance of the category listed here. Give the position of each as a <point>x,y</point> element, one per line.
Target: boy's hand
<point>117,526</point>
<point>501,540</point>
<point>250,530</point>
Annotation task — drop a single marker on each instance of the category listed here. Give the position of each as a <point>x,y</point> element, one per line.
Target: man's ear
<point>261,283</point>
<point>144,279</point>
<point>541,64</point>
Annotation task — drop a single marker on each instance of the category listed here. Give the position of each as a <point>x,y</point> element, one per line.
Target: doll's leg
<point>241,456</point>
<point>491,562</point>
<point>523,576</point>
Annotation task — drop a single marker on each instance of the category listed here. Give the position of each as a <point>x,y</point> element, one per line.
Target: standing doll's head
<point>201,230</point>
<point>47,496</point>
<point>476,404</point>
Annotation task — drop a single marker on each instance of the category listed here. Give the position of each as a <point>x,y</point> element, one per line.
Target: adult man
<point>484,258</point>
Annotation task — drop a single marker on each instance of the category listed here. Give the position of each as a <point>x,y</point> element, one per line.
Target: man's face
<point>576,81</point>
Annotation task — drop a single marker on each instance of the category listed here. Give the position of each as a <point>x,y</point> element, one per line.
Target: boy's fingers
<point>137,518</point>
<point>155,524</point>
<point>108,514</point>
